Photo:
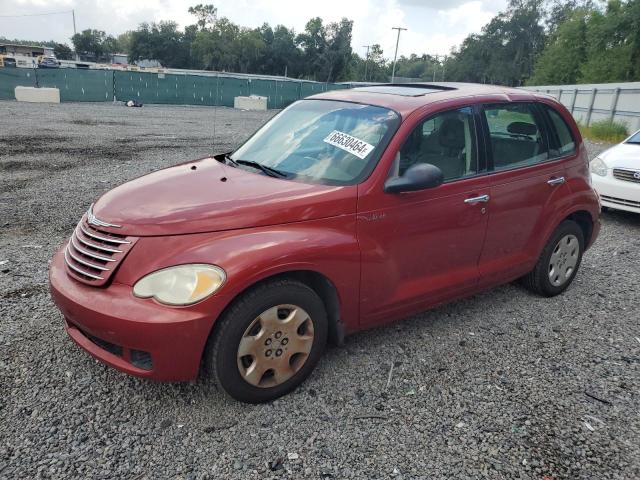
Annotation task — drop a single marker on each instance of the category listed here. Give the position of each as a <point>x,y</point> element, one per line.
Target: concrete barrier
<point>250,103</point>
<point>39,95</point>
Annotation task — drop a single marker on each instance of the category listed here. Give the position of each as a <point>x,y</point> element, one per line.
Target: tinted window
<point>322,141</point>
<point>446,140</point>
<point>516,136</point>
<point>565,142</point>
<point>635,138</point>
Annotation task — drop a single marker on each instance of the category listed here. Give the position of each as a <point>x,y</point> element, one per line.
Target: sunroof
<point>405,91</point>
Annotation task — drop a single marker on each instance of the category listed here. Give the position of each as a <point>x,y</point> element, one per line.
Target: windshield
<point>635,138</point>
<point>322,141</point>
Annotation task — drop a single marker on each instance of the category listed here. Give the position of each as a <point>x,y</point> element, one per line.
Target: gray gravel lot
<point>501,385</point>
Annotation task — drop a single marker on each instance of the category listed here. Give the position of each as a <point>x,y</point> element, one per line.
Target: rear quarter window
<point>564,143</point>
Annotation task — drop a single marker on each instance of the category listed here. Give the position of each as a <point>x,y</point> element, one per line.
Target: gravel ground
<point>502,385</point>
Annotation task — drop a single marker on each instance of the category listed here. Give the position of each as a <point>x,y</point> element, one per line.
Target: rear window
<point>565,144</point>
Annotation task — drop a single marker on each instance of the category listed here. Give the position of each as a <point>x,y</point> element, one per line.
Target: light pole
<point>395,56</point>
<point>366,62</point>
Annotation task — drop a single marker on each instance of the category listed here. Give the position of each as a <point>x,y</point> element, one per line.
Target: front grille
<point>620,201</point>
<point>93,255</point>
<point>627,175</point>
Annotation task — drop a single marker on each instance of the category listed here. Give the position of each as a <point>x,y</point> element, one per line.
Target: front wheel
<point>268,342</point>
<point>559,261</point>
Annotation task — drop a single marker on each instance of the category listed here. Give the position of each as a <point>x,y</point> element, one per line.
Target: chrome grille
<point>92,255</point>
<point>627,175</point>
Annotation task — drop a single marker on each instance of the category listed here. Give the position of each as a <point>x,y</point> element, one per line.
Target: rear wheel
<point>559,261</point>
<point>268,342</point>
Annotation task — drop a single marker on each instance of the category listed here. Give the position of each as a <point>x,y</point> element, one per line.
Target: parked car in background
<point>349,209</point>
<point>615,174</point>
<point>8,62</point>
<point>48,62</point>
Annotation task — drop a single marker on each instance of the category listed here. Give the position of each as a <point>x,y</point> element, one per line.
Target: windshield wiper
<point>272,172</point>
<point>227,157</point>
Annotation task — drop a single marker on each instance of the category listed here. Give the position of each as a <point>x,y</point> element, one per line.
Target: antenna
<point>215,114</point>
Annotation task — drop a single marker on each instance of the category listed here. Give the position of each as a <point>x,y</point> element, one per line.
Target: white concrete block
<point>250,103</point>
<point>42,95</point>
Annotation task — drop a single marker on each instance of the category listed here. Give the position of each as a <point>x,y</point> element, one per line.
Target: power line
<point>36,14</point>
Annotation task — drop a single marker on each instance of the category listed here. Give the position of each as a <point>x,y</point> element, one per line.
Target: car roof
<point>405,98</point>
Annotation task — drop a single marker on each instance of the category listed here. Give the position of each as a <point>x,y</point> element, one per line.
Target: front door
<point>422,248</point>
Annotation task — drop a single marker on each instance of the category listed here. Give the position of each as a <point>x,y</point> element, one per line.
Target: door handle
<point>556,181</point>
<point>478,199</point>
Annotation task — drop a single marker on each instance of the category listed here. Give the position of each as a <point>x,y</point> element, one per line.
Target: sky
<point>433,26</point>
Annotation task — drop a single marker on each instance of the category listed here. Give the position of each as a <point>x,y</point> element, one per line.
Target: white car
<point>615,174</point>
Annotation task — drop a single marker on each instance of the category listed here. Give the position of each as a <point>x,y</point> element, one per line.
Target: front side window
<point>565,143</point>
<point>516,136</point>
<point>322,141</point>
<point>446,140</point>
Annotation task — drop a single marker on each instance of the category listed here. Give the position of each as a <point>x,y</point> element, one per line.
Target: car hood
<point>207,196</point>
<point>624,155</point>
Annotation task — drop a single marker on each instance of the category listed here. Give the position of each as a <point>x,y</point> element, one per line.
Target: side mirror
<point>417,177</point>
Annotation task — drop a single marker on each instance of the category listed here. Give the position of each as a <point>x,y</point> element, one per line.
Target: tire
<point>263,324</point>
<point>558,263</point>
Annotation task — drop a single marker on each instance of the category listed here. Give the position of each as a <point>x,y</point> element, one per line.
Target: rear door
<point>526,184</point>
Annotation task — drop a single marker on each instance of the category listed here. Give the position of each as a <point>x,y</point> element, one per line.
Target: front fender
<point>327,246</point>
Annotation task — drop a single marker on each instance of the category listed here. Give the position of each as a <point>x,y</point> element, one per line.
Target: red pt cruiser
<point>347,210</point>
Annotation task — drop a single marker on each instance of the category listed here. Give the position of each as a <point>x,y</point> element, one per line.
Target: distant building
<point>148,63</point>
<point>11,49</point>
<point>119,59</point>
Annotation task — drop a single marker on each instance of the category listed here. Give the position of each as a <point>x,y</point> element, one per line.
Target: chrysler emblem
<point>93,220</point>
<point>636,175</point>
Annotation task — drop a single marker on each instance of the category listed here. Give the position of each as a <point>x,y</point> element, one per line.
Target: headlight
<point>182,284</point>
<point>598,167</point>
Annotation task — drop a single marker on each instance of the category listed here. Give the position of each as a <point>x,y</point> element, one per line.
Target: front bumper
<point>618,194</point>
<point>137,336</point>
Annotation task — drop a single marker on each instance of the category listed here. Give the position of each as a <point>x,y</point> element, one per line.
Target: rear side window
<point>565,143</point>
<point>516,136</point>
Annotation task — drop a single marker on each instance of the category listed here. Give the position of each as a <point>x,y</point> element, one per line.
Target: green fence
<point>10,78</point>
<point>164,88</point>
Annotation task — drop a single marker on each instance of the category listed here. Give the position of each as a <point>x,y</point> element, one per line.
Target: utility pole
<point>395,56</point>
<point>434,66</point>
<point>366,62</point>
<point>73,14</point>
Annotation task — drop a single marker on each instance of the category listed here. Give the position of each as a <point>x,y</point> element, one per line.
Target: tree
<point>506,49</point>
<point>424,67</point>
<point>613,45</point>
<point>162,42</point>
<point>62,51</point>
<point>206,15</point>
<point>327,50</point>
<point>93,43</point>
<point>565,52</point>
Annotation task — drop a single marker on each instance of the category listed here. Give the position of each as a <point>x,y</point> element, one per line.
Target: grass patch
<point>605,130</point>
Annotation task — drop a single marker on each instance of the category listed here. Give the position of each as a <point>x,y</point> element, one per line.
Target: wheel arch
<point>318,282</point>
<point>585,222</point>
